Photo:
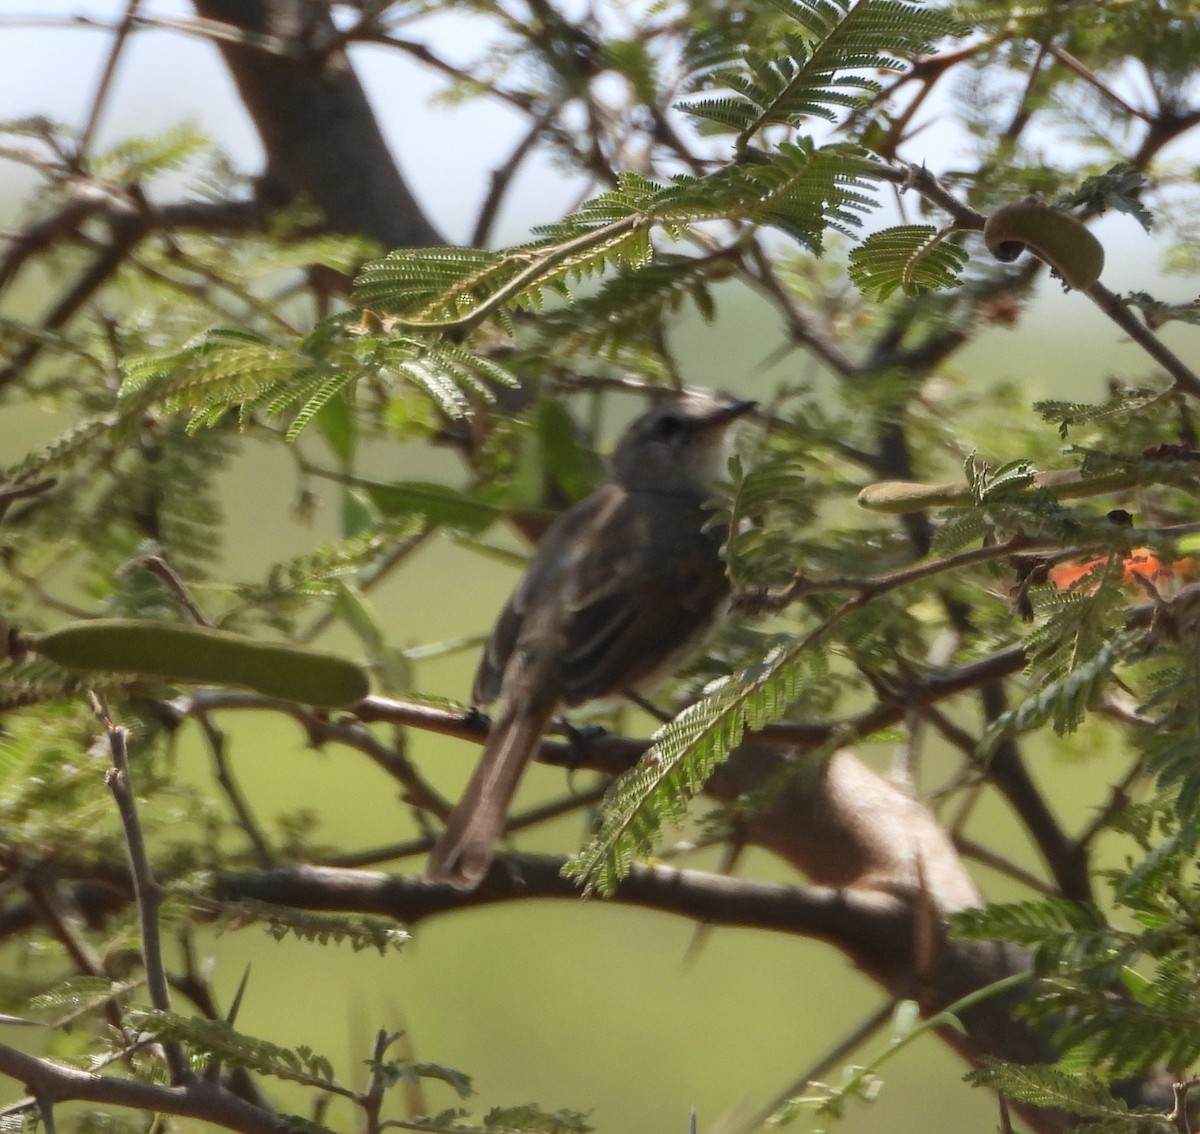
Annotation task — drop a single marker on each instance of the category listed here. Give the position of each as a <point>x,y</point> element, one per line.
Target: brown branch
<point>871,586</point>
<point>119,40</point>
<point>321,137</point>
<point>172,582</point>
<point>146,891</point>
<point>51,1082</point>
<point>1061,55</point>
<point>90,199</point>
<point>217,743</point>
<point>918,178</point>
<point>1184,377</point>
<point>518,821</point>
<point>423,54</point>
<point>875,924</point>
<point>502,177</point>
<point>61,924</point>
<point>322,730</point>
<point>97,274</point>
<point>13,492</point>
<point>761,274</point>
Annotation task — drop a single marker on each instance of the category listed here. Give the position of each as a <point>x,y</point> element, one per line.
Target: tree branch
<point>146,891</point>
<point>52,1082</point>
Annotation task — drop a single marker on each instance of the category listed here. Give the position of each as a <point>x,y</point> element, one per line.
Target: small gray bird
<point>619,591</point>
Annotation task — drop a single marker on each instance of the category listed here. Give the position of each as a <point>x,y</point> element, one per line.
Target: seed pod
<point>901,496</point>
<point>196,654</point>
<point>1063,242</point>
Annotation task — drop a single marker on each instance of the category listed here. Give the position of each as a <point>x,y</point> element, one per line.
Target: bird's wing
<point>630,615</point>
<point>617,590</point>
<point>554,560</point>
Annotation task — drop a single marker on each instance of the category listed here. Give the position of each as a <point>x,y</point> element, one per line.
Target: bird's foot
<point>578,738</point>
<point>475,717</point>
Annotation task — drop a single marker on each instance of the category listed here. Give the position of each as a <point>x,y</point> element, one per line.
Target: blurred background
<point>599,1008</point>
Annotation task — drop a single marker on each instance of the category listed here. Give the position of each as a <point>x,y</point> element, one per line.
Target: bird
<point>622,587</point>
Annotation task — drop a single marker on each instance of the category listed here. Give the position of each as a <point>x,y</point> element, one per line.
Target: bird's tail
<point>463,853</point>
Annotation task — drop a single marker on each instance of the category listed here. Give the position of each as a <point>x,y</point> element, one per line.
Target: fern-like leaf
<point>214,1039</point>
<point>1044,1085</point>
<point>1065,700</point>
<point>826,66</point>
<point>360,930</point>
<point>914,257</point>
<point>803,189</point>
<point>1117,408</point>
<point>631,304</point>
<point>77,997</point>
<point>225,369</point>
<point>685,753</point>
<point>1032,923</point>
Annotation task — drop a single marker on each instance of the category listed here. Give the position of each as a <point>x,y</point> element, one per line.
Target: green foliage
<point>292,585</point>
<point>767,504</point>
<point>1120,991</point>
<point>1118,409</point>
<point>913,257</point>
<point>1156,312</point>
<point>632,303</point>
<point>210,1040</point>
<point>361,931</point>
<point>527,1118</point>
<point>1120,188</point>
<point>229,368</point>
<point>802,188</point>
<point>683,756</point>
<point>81,996</point>
<point>1169,745</point>
<point>531,1117</point>
<point>819,73</point>
<point>1080,651</point>
<point>394,1072</point>
<point>1081,1095</point>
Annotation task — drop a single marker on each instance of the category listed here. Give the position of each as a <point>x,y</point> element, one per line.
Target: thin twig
<point>371,1100</point>
<point>761,274</point>
<point>379,572</point>
<point>12,492</point>
<point>968,848</point>
<point>217,743</point>
<point>119,39</point>
<point>833,1058</point>
<point>869,587</point>
<point>502,177</point>
<point>147,893</point>
<point>79,949</point>
<point>321,730</point>
<point>519,821</point>
<point>1118,800</point>
<point>1115,308</point>
<point>1179,1114</point>
<point>157,566</point>
<point>1069,61</point>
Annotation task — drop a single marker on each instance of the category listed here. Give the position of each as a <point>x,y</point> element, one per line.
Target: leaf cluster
<point>1119,990</point>
<point>827,65</point>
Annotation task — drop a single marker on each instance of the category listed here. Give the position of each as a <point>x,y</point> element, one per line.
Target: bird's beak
<point>723,415</point>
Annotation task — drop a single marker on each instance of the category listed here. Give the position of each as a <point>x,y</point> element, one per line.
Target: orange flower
<point>1140,562</point>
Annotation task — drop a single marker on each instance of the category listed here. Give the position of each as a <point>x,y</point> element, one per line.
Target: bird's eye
<point>667,427</point>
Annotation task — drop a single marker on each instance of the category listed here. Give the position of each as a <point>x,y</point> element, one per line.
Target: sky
<point>49,66</point>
